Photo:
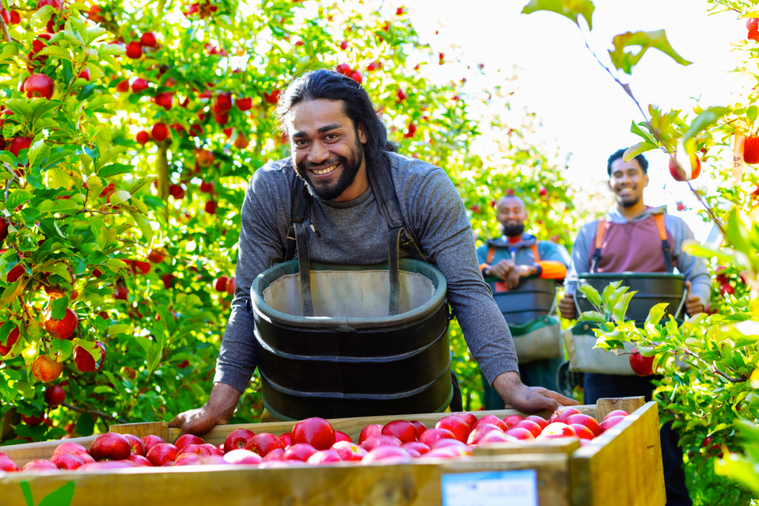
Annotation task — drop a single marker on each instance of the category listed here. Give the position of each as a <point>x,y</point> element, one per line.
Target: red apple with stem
<point>264,443</point>
<point>84,361</point>
<point>63,328</point>
<point>640,365</point>
<point>46,369</point>
<point>136,444</point>
<point>349,451</point>
<point>111,446</point>
<point>162,453</point>
<point>19,143</point>
<point>238,439</point>
<point>149,442</point>
<point>39,85</point>
<point>456,425</point>
<point>315,431</point>
<point>188,439</point>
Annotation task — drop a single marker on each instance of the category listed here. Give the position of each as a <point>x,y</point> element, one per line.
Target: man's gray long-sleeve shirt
<point>356,233</point>
<point>691,267</point>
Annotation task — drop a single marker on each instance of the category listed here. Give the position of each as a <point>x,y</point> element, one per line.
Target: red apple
<point>63,328</point>
<point>419,426</point>
<point>344,69</point>
<point>582,431</point>
<point>200,450</point>
<point>19,143</point>
<point>686,172</point>
<point>356,76</point>
<point>39,85</point>
<point>210,207</point>
<point>616,412</point>
<point>287,439</point>
<point>469,418</point>
<point>136,444</point>
<point>206,187</point>
<point>162,453</point>
<point>15,273</point>
<point>223,102</point>
<point>299,451</point>
<point>186,440</point>
<point>34,420</point>
<point>7,465</point>
<point>231,285</point>
<point>39,465</point>
<point>123,86</point>
<point>272,97</point>
<point>387,455</point>
<point>66,462</point>
<point>213,450</point>
<point>440,453</point>
<point>106,465</point>
<point>459,427</point>
<point>315,431</point>
<point>342,436</point>
<point>610,422</point>
<point>165,100</point>
<point>85,74</point>
<point>539,420</point>
<point>559,429</point>
<point>134,50</point>
<point>531,426</point>
<point>349,451</point>
<point>477,434</point>
<point>520,433</point>
<point>55,395</point>
<point>511,420</point>
<point>159,132</point>
<point>111,446</point>
<point>46,369</point>
<point>149,442</point>
<point>142,137</point>
<point>418,447</point>
<point>187,459</point>
<point>244,104</point>
<point>84,361</point>
<point>324,457</point>
<point>562,414</point>
<point>73,448</point>
<point>139,460</point>
<point>177,191</point>
<point>432,436</point>
<point>263,443</point>
<point>275,455</point>
<point>156,257</point>
<point>751,148</point>
<point>400,429</point>
<point>10,341</point>
<point>243,458</point>
<point>220,285</point>
<point>640,365</point>
<point>238,439</point>
<point>139,85</point>
<point>491,420</point>
<point>148,39</point>
<point>375,441</point>
<point>587,421</point>
<point>374,429</point>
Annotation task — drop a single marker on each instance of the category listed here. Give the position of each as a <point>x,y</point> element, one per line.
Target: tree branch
<point>100,414</point>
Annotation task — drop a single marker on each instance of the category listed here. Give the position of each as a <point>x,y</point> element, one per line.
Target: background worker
<point>511,257</point>
<point>631,242</point>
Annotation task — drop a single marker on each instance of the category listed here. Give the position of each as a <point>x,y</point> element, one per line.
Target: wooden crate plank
<point>23,453</point>
<point>625,468</point>
<point>605,406</point>
<point>350,485</point>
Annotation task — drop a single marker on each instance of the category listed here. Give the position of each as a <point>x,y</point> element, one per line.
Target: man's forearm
<point>223,400</point>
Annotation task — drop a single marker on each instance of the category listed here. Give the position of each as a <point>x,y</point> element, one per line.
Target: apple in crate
<point>275,454</point>
<point>418,447</point>
<point>324,457</point>
<point>342,436</point>
<point>7,465</point>
<point>299,451</point>
<point>263,443</point>
<point>520,433</point>
<point>374,429</point>
<point>531,426</point>
<point>188,439</point>
<point>491,420</point>
<point>136,444</point>
<point>39,465</point>
<point>315,431</point>
<point>479,432</point>
<point>149,442</point>
<point>243,457</point>
<point>110,446</point>
<point>237,440</point>
<point>73,448</point>
<point>458,426</point>
<point>350,451</point>
<point>586,420</point>
<point>387,455</point>
<point>432,436</point>
<point>139,460</point>
<point>162,453</point>
<point>377,441</point>
<point>610,422</point>
<point>469,418</point>
<point>512,420</point>
<point>401,429</point>
<point>67,461</point>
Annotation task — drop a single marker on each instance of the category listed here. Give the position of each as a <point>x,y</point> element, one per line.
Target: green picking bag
<point>537,339</point>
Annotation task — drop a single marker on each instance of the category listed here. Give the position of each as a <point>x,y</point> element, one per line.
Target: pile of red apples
<point>314,441</point>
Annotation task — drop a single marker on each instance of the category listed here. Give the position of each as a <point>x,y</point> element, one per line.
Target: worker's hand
<point>528,399</point>
<point>567,307</point>
<point>519,272</point>
<point>501,269</point>
<point>217,411</point>
<point>693,304</point>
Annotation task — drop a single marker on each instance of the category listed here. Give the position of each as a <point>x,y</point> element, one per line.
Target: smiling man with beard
<point>339,148</point>
<point>631,241</point>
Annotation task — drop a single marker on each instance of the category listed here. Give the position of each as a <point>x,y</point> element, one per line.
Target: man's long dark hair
<point>330,85</point>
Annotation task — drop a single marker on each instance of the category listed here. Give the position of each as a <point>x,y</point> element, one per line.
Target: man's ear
<point>362,133</point>
<point>646,179</point>
<point>608,185</point>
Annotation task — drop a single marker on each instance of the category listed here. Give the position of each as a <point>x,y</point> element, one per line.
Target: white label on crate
<point>515,488</point>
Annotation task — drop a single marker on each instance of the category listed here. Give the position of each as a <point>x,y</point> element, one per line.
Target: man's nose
<point>318,153</point>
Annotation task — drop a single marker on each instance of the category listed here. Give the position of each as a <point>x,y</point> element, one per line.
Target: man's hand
<point>501,269</point>
<point>567,307</point>
<point>528,399</point>
<point>519,272</point>
<point>219,408</point>
<point>693,304</point>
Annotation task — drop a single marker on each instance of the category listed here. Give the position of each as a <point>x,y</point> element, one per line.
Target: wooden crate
<point>624,469</point>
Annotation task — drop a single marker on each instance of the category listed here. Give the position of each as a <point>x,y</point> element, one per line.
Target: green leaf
<point>57,52</point>
<point>592,316</point>
<point>637,149</point>
<point>114,169</point>
<point>656,314</point>
<point>571,9</point>
<point>38,150</point>
<point>120,196</point>
<point>620,308</point>
<point>111,50</point>
<point>85,426</point>
<point>625,61</point>
<point>63,347</point>
<point>59,307</point>
<point>752,112</point>
<point>144,224</point>
<point>704,120</point>
<point>119,329</point>
<point>17,198</point>
<point>58,268</point>
<point>592,295</point>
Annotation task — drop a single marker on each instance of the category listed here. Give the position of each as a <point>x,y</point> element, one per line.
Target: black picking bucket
<point>351,358</point>
<point>652,287</point>
<point>532,299</point>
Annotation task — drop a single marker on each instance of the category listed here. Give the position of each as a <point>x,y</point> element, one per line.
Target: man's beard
<point>628,203</point>
<point>350,168</point>
<point>513,230</point>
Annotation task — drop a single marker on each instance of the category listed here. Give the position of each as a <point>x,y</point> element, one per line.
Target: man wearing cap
<point>511,257</point>
<point>634,237</point>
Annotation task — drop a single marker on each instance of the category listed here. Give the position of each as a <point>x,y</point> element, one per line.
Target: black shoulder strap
<point>300,204</point>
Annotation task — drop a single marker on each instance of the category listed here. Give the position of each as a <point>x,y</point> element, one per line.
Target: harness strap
<point>393,269</point>
<point>600,231</point>
<point>304,269</point>
<point>535,253</point>
<point>659,219</point>
<point>300,203</point>
<point>491,254</point>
